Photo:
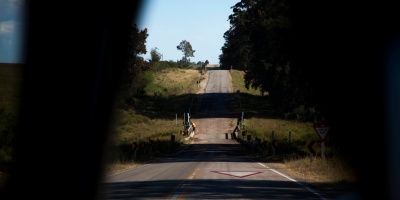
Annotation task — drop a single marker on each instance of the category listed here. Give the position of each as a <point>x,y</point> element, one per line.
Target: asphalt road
<point>213,165</point>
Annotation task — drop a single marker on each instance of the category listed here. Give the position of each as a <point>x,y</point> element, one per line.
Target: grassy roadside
<point>325,174</point>
<point>140,124</point>
<point>153,120</point>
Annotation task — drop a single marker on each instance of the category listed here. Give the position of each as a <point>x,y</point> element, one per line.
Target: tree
<point>204,65</point>
<point>261,41</point>
<point>187,50</point>
<point>132,80</point>
<point>155,55</point>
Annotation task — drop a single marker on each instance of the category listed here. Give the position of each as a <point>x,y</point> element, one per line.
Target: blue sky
<point>168,22</point>
<point>201,22</point>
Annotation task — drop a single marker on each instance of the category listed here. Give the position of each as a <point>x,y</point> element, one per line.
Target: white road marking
<point>309,189</point>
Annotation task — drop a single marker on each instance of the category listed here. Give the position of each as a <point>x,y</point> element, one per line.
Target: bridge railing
<point>238,127</point>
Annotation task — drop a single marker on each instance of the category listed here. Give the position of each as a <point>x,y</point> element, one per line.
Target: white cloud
<point>7,27</point>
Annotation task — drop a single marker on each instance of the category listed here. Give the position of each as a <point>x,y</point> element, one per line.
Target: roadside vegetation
<point>151,125</point>
<point>10,85</point>
<point>148,118</point>
<point>150,104</point>
<point>154,118</point>
<point>292,139</point>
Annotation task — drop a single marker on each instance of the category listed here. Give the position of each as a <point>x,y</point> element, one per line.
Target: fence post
<point>290,135</point>
<point>272,146</point>
<point>172,137</point>
<point>134,146</point>
<point>242,117</point>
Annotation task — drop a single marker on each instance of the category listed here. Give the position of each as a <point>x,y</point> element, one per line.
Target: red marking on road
<point>238,174</point>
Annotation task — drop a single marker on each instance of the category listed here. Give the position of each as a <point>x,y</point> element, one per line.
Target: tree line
<point>264,41</point>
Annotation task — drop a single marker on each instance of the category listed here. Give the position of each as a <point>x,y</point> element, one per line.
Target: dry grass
<point>240,85</point>
<point>175,75</point>
<point>135,127</point>
<point>174,81</point>
<point>332,177</point>
<point>118,167</point>
<point>321,170</point>
<point>263,128</point>
<point>212,66</point>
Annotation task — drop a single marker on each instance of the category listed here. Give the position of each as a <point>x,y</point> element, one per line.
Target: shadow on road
<point>206,105</point>
<point>222,189</point>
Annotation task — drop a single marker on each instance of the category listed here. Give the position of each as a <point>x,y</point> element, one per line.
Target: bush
<point>161,65</point>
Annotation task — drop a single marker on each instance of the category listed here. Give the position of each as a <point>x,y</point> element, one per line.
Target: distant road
<point>213,166</point>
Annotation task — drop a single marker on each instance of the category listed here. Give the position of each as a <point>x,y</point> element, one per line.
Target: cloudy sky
<point>168,22</point>
<point>11,25</point>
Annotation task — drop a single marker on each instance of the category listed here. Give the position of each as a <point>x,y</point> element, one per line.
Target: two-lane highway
<point>206,171</point>
<point>213,166</point>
